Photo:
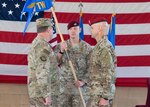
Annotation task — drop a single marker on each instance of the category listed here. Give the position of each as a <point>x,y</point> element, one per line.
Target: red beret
<point>96,20</point>
<point>72,24</point>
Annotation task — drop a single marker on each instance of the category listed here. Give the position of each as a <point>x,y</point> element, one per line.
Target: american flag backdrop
<point>132,36</point>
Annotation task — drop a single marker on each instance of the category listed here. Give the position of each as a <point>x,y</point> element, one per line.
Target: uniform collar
<point>40,37</point>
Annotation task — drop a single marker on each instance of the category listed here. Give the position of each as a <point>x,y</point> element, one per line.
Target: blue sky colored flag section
<point>10,10</point>
<point>112,33</point>
<point>82,28</point>
<point>32,6</point>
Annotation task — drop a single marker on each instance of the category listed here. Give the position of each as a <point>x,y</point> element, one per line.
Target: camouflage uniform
<point>113,54</point>
<point>69,93</point>
<point>42,72</point>
<point>101,73</point>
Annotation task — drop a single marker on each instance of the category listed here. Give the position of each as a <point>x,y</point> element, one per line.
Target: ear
<point>48,29</point>
<point>100,30</point>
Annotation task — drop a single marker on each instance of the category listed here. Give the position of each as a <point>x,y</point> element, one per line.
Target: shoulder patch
<point>43,58</point>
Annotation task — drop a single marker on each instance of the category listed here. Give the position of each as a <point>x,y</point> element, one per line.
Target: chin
<point>73,37</point>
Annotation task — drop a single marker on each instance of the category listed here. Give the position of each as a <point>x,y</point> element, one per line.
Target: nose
<point>73,30</point>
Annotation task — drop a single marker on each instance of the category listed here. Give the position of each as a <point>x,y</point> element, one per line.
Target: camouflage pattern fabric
<point>79,56</point>
<point>101,73</point>
<point>43,75</point>
<point>113,54</point>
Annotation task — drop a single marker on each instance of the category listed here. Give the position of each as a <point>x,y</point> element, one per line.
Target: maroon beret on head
<point>72,24</point>
<point>96,20</point>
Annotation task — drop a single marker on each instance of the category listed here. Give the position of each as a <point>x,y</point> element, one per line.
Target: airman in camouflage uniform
<point>78,53</point>
<point>42,68</point>
<point>102,67</point>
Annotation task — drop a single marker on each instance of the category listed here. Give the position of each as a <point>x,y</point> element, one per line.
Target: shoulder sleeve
<point>106,64</point>
<point>43,71</point>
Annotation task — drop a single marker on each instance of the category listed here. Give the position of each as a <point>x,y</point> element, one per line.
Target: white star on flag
<point>4,4</point>
<point>17,5</point>
<point>10,12</point>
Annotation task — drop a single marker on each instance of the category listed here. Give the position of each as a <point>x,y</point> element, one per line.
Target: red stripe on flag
<point>110,1</point>
<point>14,59</point>
<point>132,82</point>
<point>133,61</point>
<point>13,79</point>
<point>138,39</point>
<point>90,40</point>
<point>16,37</point>
<point>123,61</point>
<point>53,40</point>
<point>120,18</point>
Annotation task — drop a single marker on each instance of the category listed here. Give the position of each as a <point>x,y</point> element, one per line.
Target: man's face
<point>74,32</point>
<point>95,29</point>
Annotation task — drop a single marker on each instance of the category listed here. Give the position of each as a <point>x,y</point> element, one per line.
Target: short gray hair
<point>105,30</point>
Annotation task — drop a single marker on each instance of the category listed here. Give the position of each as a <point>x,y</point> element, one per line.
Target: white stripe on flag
<point>16,70</point>
<point>133,72</point>
<point>14,48</point>
<point>72,7</point>
<point>53,43</point>
<point>123,72</point>
<point>132,50</point>
<point>120,28</point>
